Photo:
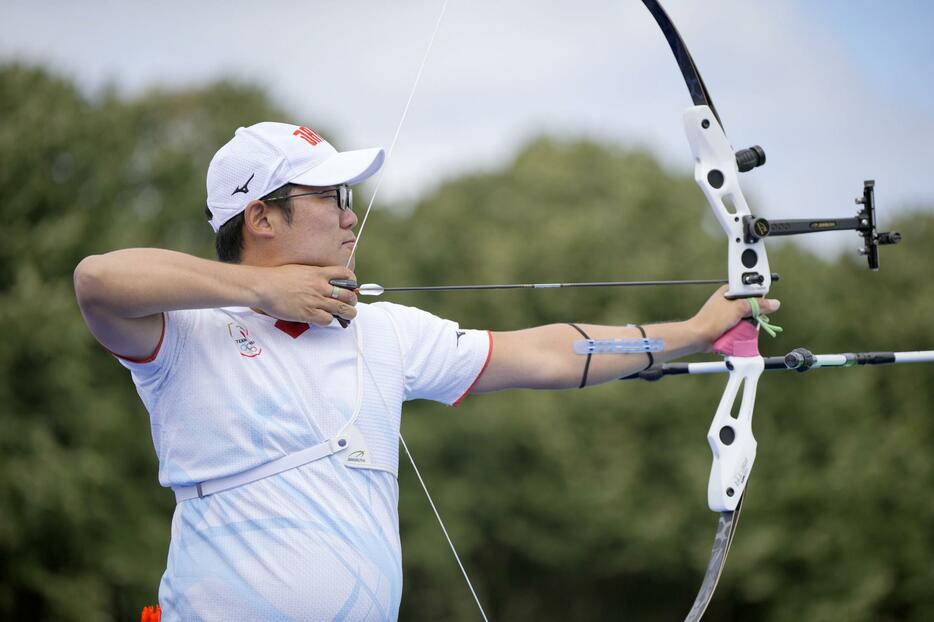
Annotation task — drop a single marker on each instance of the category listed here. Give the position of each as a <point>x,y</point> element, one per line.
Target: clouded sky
<point>836,91</point>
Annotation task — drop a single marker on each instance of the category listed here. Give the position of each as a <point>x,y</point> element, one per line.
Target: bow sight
<point>864,223</point>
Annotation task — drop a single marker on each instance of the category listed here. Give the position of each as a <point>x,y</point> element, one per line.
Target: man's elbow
<point>88,281</point>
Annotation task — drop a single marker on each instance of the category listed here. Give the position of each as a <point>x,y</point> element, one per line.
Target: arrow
<point>375,289</point>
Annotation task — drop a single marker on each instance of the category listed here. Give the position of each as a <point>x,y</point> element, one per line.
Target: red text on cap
<point>308,134</point>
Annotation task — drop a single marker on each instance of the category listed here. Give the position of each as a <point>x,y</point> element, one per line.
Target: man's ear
<point>260,219</point>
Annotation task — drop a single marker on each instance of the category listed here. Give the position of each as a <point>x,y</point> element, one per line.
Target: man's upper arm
<point>131,338</point>
<point>136,339</point>
<point>517,361</point>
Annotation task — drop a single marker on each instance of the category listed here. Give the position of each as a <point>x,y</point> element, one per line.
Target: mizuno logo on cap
<point>245,187</point>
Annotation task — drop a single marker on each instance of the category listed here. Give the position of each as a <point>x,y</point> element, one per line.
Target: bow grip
<point>741,340</point>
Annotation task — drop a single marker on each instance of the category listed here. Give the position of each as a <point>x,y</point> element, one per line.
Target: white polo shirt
<point>230,389</point>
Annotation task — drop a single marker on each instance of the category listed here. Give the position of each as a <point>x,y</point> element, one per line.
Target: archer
<point>275,398</point>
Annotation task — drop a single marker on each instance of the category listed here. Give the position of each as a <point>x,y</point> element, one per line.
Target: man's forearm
<point>679,339</point>
<point>137,282</point>
<point>543,357</point>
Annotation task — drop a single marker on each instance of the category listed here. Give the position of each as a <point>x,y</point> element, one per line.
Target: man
<point>277,426</point>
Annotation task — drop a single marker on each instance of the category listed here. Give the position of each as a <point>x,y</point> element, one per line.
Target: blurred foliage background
<point>575,505</point>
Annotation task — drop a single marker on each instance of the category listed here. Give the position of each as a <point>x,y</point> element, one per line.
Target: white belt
<point>202,489</point>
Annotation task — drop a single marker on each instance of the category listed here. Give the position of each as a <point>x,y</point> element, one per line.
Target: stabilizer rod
<point>799,359</point>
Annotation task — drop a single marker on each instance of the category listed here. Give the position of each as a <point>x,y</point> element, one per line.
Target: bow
<point>716,171</point>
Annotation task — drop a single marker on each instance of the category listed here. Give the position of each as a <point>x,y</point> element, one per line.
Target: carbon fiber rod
<point>374,289</point>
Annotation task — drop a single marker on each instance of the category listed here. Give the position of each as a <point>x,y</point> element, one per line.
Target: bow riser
<point>730,438</point>
<point>717,174</point>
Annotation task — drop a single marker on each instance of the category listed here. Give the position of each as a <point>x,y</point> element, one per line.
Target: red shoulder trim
<point>151,357</point>
<point>489,355</point>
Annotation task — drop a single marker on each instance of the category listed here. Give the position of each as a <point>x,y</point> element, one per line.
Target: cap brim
<point>345,167</point>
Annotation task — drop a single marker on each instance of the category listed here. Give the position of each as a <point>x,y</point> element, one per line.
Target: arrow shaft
<point>453,288</point>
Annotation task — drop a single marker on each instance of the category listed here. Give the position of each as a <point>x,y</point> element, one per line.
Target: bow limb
<point>726,528</point>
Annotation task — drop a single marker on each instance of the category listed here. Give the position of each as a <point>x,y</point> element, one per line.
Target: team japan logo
<point>245,343</point>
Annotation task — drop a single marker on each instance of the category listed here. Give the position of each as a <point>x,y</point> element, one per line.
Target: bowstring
<point>395,137</point>
<point>431,502</point>
<point>443,529</point>
<point>353,252</point>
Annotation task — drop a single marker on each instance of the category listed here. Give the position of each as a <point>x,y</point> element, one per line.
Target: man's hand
<point>719,315</point>
<point>304,294</point>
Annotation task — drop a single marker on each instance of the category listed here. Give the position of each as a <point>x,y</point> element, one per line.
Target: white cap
<point>266,156</point>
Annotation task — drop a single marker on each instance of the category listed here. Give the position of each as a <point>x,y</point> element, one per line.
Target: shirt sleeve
<point>441,361</point>
<point>176,327</point>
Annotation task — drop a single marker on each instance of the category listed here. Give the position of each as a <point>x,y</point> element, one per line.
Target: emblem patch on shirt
<point>245,343</point>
